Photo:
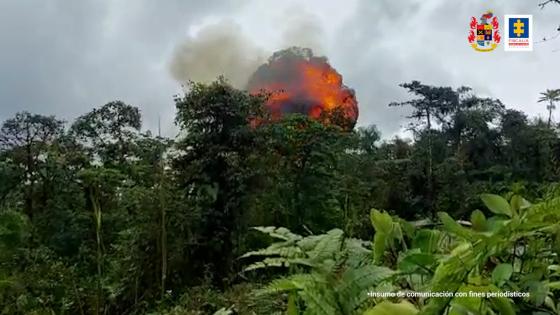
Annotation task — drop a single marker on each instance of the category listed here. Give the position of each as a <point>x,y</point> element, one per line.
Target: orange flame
<point>299,82</point>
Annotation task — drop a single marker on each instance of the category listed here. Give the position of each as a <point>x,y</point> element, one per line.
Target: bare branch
<point>543,4</point>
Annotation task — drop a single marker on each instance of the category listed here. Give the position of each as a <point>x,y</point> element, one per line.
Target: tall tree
<point>430,102</point>
<point>109,132</point>
<point>469,125</point>
<point>300,173</point>
<point>216,120</point>
<point>367,138</point>
<point>26,139</point>
<point>550,96</point>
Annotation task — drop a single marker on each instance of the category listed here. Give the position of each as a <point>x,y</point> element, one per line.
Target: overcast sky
<point>66,57</point>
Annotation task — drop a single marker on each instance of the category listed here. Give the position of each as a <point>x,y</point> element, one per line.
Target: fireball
<point>298,82</point>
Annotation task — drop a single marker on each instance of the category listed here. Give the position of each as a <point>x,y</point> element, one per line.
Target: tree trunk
<point>163,233</point>
<point>29,176</point>
<point>99,253</point>
<point>549,114</point>
<point>430,166</point>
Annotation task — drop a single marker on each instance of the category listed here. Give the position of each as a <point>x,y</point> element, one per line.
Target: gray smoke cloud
<point>218,49</point>
<point>222,49</point>
<point>302,29</point>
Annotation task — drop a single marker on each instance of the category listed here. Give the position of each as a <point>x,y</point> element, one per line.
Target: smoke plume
<point>302,29</point>
<point>222,49</point>
<point>296,80</point>
<point>219,49</point>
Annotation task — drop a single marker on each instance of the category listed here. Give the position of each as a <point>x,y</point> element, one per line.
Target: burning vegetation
<point>296,81</point>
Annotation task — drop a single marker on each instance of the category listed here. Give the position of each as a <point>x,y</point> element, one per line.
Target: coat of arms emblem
<point>484,35</point>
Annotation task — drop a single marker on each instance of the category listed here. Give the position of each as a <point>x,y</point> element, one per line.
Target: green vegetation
<point>244,215</point>
<point>513,250</point>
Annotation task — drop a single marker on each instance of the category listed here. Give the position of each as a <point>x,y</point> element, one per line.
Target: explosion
<point>298,82</point>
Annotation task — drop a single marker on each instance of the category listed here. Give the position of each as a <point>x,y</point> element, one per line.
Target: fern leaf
<point>278,232</point>
<point>355,284</point>
<point>278,262</point>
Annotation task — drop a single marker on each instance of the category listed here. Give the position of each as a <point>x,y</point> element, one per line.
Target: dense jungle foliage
<point>240,214</point>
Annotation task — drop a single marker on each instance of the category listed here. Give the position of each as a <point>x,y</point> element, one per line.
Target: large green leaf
<point>428,241</point>
<point>501,274</point>
<point>292,306</point>
<point>503,305</point>
<point>379,245</point>
<point>383,224</point>
<point>519,203</point>
<point>423,262</point>
<point>537,292</point>
<point>381,221</point>
<point>453,227</point>
<point>473,304</point>
<point>388,308</point>
<point>496,204</point>
<point>478,221</point>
